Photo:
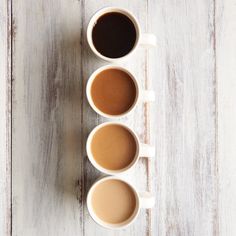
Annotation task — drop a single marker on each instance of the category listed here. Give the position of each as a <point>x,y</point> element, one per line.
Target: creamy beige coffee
<point>113,201</point>
<point>113,91</point>
<point>113,147</point>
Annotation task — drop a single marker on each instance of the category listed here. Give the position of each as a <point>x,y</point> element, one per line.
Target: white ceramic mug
<point>141,38</point>
<point>143,150</point>
<point>141,95</point>
<point>143,200</point>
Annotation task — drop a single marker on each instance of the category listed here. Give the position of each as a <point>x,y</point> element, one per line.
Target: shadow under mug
<point>141,95</point>
<point>142,150</point>
<point>143,200</point>
<point>145,40</point>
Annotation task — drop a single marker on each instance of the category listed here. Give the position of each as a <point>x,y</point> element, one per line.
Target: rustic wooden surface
<point>5,118</point>
<point>45,118</point>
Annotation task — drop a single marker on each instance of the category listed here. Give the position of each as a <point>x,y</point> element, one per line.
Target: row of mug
<point>104,214</point>
<point>104,199</point>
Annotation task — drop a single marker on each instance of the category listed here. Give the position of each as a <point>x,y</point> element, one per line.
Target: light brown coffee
<point>113,201</point>
<point>113,91</point>
<point>113,147</point>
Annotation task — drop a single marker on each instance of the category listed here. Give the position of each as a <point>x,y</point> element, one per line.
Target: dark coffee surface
<point>114,35</point>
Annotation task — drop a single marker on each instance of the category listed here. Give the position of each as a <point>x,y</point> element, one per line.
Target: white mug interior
<point>104,223</point>
<point>93,21</point>
<point>89,85</point>
<point>98,166</point>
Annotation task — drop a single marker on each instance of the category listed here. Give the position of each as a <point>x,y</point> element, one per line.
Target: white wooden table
<point>45,118</point>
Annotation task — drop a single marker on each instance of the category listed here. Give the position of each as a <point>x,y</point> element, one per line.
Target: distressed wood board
<point>5,118</point>
<point>44,171</point>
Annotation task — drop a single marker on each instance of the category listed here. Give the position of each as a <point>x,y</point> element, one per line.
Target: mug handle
<point>148,40</point>
<point>147,200</point>
<point>146,150</point>
<point>147,96</point>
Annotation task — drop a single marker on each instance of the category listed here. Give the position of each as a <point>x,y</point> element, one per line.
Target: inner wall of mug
<point>99,14</point>
<point>89,85</point>
<point>97,165</point>
<point>104,223</point>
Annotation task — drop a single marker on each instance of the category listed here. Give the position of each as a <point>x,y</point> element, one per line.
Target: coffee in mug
<point>114,203</point>
<point>114,148</point>
<point>114,33</point>
<point>113,91</point>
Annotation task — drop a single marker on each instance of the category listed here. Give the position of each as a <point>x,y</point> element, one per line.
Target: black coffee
<point>114,35</point>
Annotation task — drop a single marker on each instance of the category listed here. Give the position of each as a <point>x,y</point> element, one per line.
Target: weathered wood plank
<point>226,80</point>
<point>185,118</point>
<point>5,118</point>
<point>47,118</point>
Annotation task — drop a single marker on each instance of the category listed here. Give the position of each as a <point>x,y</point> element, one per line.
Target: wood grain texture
<point>226,80</point>
<point>191,123</point>
<point>5,118</point>
<point>46,118</point>
<point>186,179</point>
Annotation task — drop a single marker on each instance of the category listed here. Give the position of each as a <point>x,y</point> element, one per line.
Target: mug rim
<point>90,82</point>
<point>96,16</point>
<point>102,223</point>
<point>97,165</point>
